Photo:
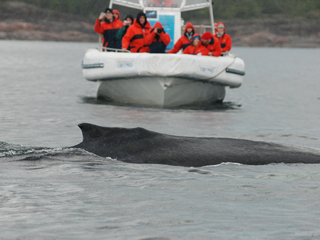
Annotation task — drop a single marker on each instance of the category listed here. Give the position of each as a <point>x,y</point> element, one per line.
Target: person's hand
<point>124,49</point>
<point>210,54</point>
<point>102,16</point>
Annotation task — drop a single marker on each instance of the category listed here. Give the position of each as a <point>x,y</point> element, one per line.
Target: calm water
<point>48,192</point>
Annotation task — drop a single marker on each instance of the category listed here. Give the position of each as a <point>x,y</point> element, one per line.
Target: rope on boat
<point>207,79</point>
<point>234,59</point>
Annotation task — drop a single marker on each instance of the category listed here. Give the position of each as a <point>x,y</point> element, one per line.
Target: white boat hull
<point>164,80</point>
<point>160,92</point>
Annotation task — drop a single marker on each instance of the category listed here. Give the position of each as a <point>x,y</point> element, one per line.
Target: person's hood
<point>187,26</point>
<point>157,25</point>
<point>138,25</point>
<point>138,16</point>
<point>220,24</point>
<point>207,36</point>
<point>117,12</point>
<point>215,28</point>
<point>128,16</point>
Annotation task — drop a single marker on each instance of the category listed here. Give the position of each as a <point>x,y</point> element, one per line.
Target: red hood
<point>157,25</point>
<point>220,23</point>
<point>215,28</point>
<point>117,12</point>
<point>187,26</point>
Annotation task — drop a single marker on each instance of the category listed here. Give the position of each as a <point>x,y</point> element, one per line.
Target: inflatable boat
<point>163,80</point>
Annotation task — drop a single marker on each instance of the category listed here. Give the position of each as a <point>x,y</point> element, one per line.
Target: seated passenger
<point>212,43</point>
<point>196,47</point>
<point>158,39</point>
<point>185,40</point>
<point>134,39</point>
<point>225,39</point>
<point>161,3</point>
<point>107,25</point>
<point>128,21</point>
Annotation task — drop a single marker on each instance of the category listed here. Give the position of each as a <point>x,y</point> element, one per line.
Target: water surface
<point>49,192</point>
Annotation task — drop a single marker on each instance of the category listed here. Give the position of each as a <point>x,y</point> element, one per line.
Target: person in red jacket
<point>158,39</point>
<point>185,40</point>
<point>107,25</point>
<point>134,39</point>
<point>196,47</point>
<point>212,43</point>
<point>225,39</point>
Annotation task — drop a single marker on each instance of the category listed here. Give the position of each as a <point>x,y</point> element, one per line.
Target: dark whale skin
<point>138,145</point>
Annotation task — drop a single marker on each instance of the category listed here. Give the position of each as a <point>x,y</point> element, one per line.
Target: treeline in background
<point>223,9</point>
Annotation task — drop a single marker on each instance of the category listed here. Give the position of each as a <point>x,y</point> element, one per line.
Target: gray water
<point>49,192</point>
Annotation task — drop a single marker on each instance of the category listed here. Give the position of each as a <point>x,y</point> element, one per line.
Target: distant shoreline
<point>31,23</point>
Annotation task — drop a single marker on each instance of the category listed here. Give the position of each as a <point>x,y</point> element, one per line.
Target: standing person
<point>127,22</point>
<point>212,43</point>
<point>196,47</point>
<point>158,39</point>
<point>107,25</point>
<point>225,39</point>
<point>134,39</point>
<point>185,40</point>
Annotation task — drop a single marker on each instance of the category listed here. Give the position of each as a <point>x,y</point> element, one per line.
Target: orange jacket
<point>225,40</point>
<point>214,46</point>
<point>109,31</point>
<point>158,42</point>
<point>183,41</point>
<point>135,38</point>
<point>195,50</point>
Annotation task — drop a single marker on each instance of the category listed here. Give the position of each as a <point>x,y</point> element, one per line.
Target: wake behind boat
<point>163,80</point>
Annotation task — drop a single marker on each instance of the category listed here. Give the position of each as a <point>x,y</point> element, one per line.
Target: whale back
<point>138,145</point>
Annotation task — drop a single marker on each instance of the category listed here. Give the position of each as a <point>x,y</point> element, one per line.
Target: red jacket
<point>195,50</point>
<point>157,42</point>
<point>135,38</point>
<point>183,42</point>
<point>109,31</point>
<point>225,41</point>
<point>214,46</point>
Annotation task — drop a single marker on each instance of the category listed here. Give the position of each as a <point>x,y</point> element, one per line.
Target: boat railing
<point>106,49</point>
